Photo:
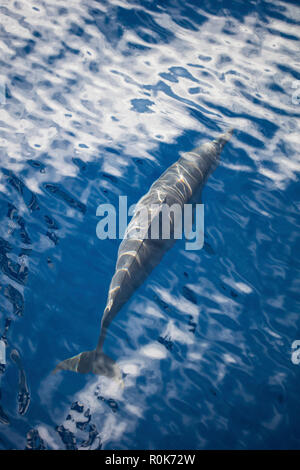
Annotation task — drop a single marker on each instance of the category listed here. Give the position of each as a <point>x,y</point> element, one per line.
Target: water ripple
<point>97,98</point>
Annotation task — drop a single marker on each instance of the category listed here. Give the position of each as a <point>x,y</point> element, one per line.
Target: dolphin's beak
<point>223,139</point>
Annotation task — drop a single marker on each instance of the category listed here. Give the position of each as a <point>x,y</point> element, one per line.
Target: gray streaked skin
<point>181,183</point>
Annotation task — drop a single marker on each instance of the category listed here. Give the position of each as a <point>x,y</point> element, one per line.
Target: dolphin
<point>138,253</point>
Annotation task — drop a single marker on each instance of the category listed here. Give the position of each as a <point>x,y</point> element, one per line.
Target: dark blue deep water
<point>97,98</point>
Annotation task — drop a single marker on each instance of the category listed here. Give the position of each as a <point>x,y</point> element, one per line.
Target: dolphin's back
<point>138,253</point>
<point>137,256</point>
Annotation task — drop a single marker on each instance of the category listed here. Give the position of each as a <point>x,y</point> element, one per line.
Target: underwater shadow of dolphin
<point>181,183</point>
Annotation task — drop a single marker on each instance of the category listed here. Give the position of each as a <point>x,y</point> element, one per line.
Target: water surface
<point>99,98</point>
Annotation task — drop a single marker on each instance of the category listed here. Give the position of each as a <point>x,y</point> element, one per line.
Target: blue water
<point>99,98</point>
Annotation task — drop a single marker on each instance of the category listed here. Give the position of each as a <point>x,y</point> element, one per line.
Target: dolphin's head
<point>222,140</point>
<point>212,150</point>
<point>207,156</point>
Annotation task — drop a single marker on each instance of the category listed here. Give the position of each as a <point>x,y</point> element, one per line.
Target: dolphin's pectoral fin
<point>92,361</point>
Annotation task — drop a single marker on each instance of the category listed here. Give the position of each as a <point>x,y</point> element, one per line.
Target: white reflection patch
<point>155,351</point>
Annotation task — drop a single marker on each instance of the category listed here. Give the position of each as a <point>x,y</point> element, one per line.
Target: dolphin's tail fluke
<point>92,361</point>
